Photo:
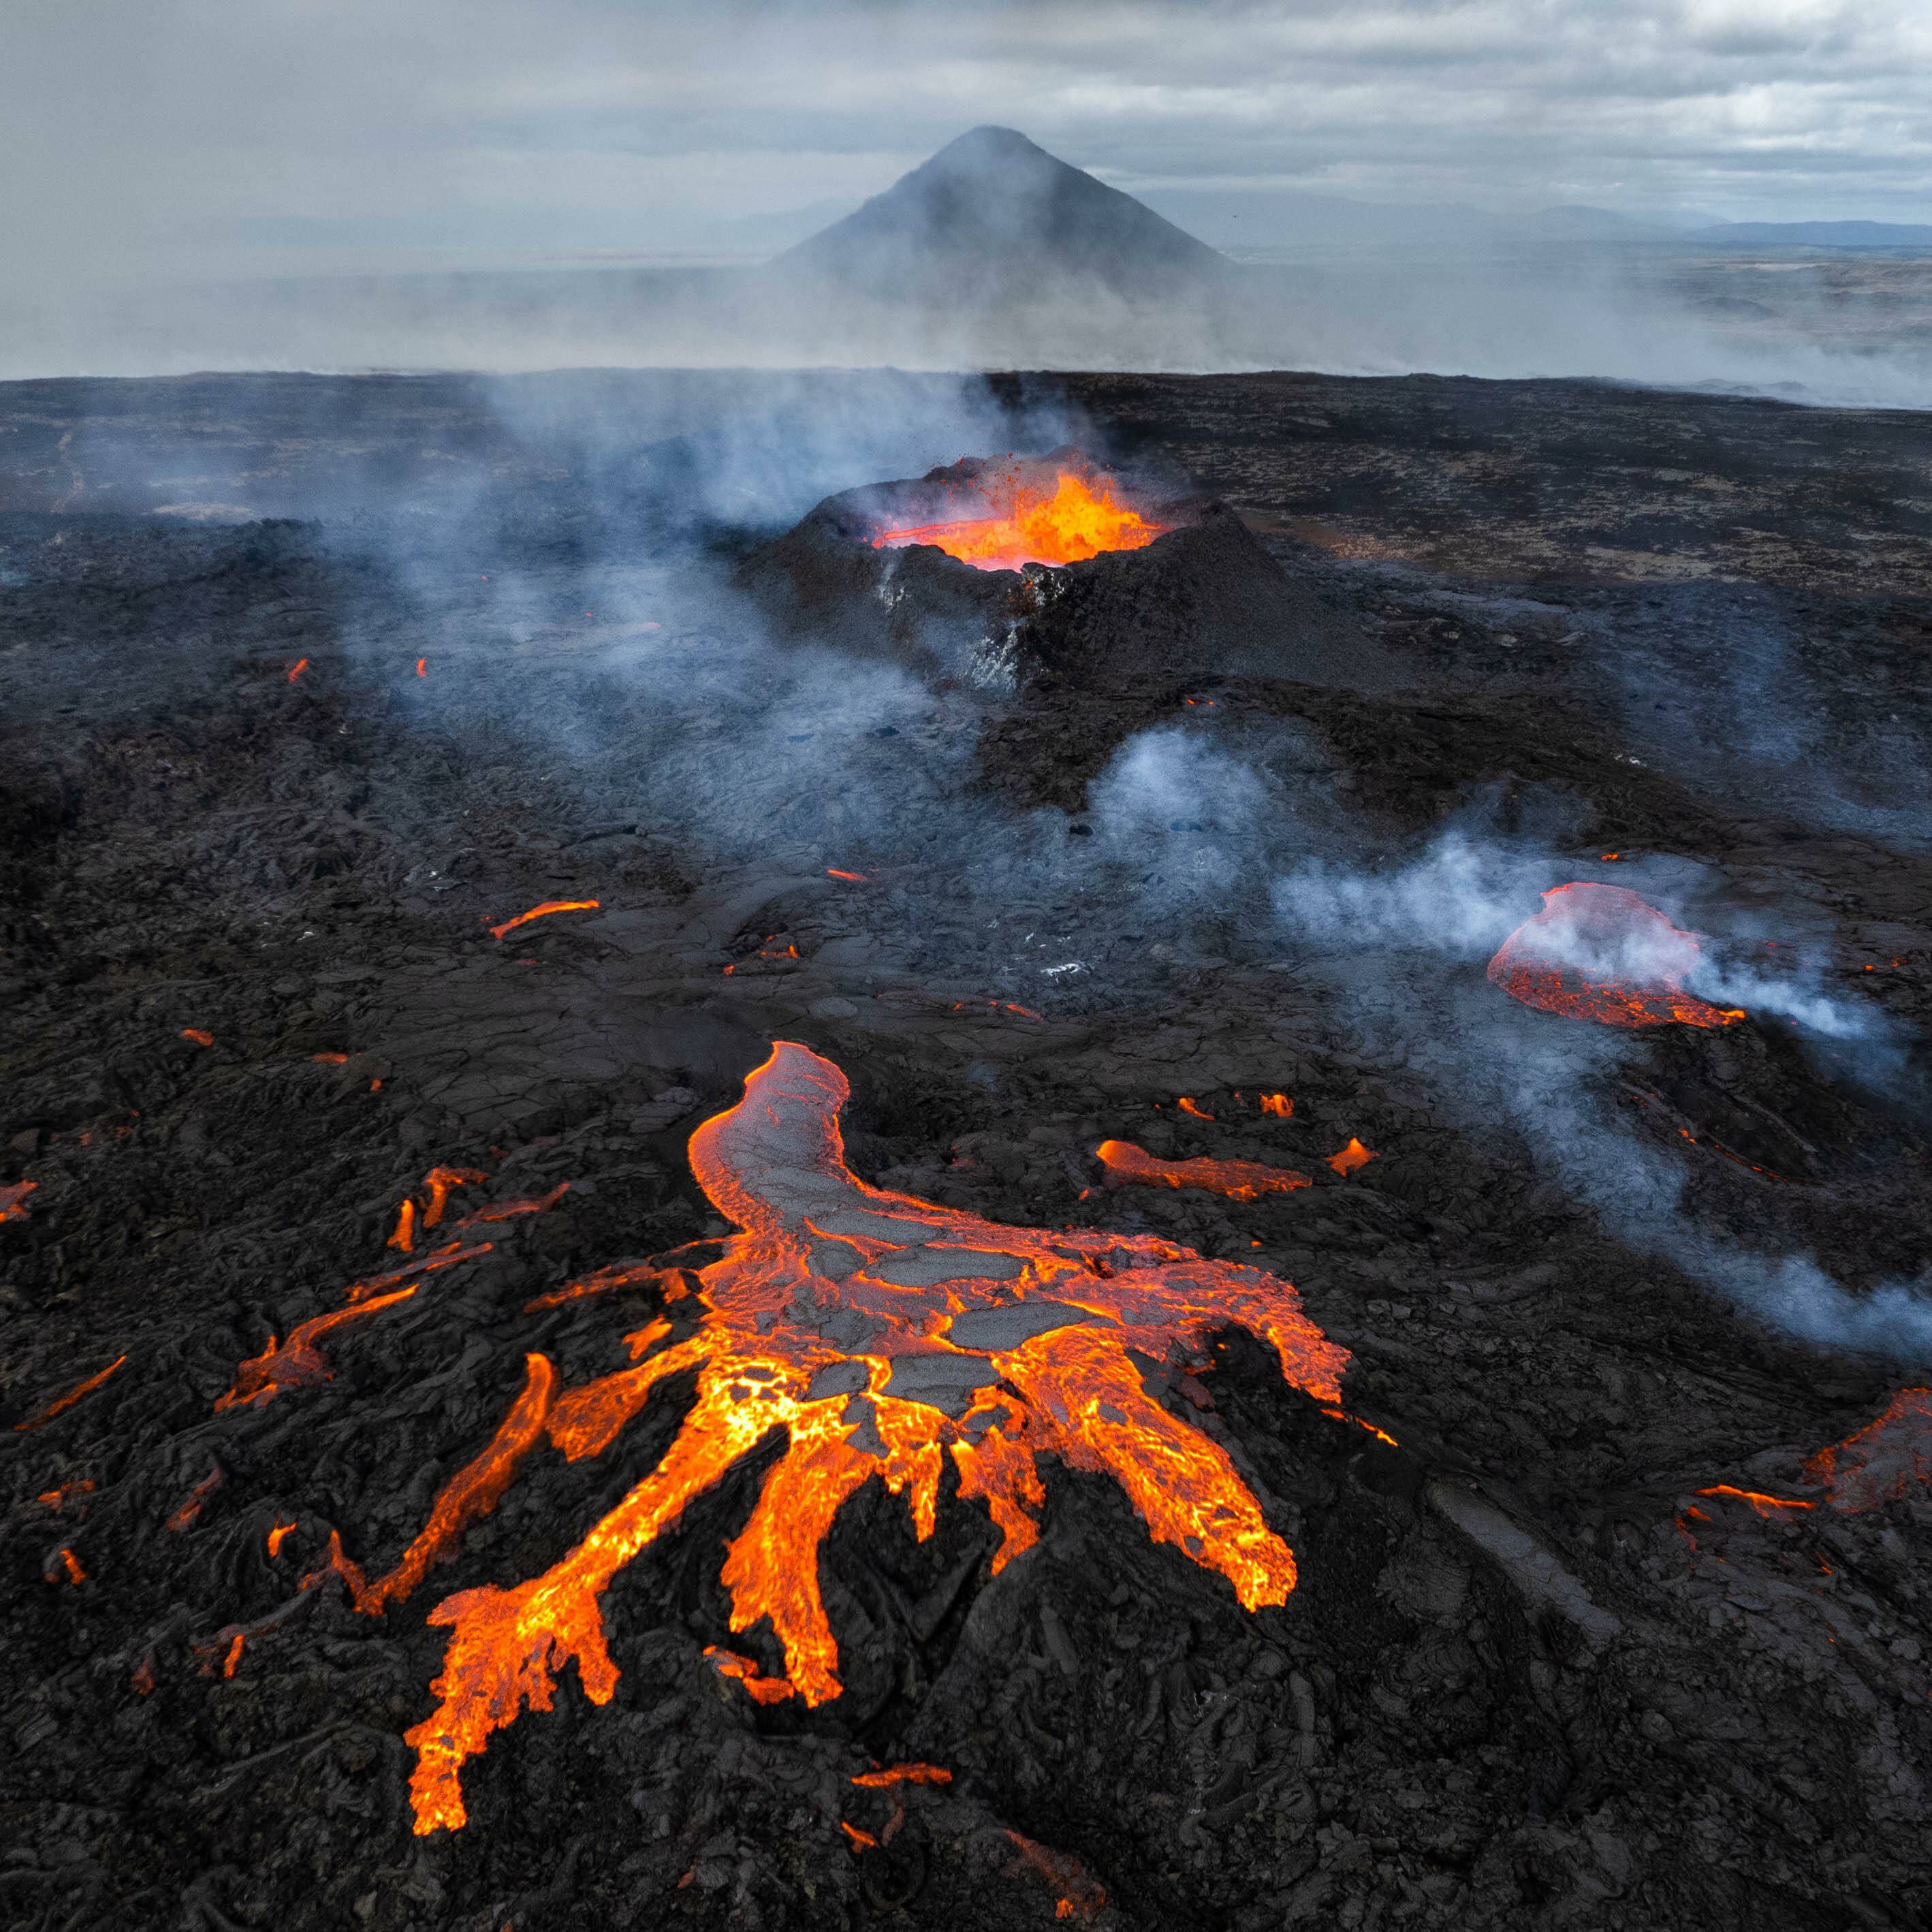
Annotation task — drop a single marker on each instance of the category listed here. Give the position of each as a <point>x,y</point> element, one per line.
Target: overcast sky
<point>226,135</point>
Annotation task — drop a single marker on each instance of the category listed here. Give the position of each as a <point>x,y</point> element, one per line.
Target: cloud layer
<point>216,136</point>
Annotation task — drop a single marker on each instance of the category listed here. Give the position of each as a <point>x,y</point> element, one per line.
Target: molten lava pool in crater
<point>1600,952</point>
<point>885,1335</point>
<point>1030,513</point>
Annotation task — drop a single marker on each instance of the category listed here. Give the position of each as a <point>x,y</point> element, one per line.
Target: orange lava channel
<point>189,1513</point>
<point>903,1773</point>
<point>469,1496</point>
<point>1600,952</point>
<point>1026,521</point>
<point>1127,1165</point>
<point>13,1200</point>
<point>989,1345</point>
<point>544,911</point>
<point>298,1361</point>
<point>60,1404</point>
<point>1769,1507</point>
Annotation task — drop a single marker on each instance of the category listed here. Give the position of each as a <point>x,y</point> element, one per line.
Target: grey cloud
<point>152,123</point>
<point>156,147</point>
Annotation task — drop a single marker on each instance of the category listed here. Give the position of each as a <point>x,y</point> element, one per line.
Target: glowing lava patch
<point>1600,952</point>
<point>882,1334</point>
<point>1886,1461</point>
<point>1022,517</point>
<point>1235,1179</point>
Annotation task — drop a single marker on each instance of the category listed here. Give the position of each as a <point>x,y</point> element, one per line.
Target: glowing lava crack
<point>882,1333</point>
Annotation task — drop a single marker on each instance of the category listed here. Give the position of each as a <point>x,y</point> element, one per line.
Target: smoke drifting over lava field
<point>722,1204</point>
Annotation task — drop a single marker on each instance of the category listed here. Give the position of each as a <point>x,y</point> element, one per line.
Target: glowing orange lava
<point>1024,516</point>
<point>601,1282</point>
<point>1127,1165</point>
<point>296,669</point>
<point>469,1495</point>
<point>1882,1462</point>
<point>437,1184</point>
<point>197,1035</point>
<point>903,1773</point>
<point>1770,1508</point>
<point>508,1210</point>
<point>279,1533</point>
<point>1278,1104</point>
<point>298,1361</point>
<point>60,1404</point>
<point>1345,1160</point>
<point>881,1333</point>
<point>13,1200</point>
<point>404,1238</point>
<point>1080,1897</point>
<point>432,1263</point>
<point>1600,952</point>
<point>544,911</point>
<point>70,1567</point>
<point>185,1517</point>
<point>760,1689</point>
<point>58,1499</point>
<point>1380,1435</point>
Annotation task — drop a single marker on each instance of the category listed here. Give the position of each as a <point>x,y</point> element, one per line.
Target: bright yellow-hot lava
<point>884,1335</point>
<point>1022,516</point>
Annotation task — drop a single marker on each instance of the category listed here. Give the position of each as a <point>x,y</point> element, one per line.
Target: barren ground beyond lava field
<point>1459,1459</point>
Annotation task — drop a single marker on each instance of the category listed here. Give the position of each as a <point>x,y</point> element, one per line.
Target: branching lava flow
<point>882,1333</point>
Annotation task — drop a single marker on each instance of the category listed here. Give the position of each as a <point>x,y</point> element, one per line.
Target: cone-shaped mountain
<point>992,217</point>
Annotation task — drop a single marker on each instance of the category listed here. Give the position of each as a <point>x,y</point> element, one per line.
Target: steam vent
<point>1002,572</point>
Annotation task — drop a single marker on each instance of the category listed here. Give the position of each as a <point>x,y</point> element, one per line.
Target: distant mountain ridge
<point>1818,234</point>
<point>1244,219</point>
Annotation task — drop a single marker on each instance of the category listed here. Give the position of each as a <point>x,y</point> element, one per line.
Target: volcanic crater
<point>1001,573</point>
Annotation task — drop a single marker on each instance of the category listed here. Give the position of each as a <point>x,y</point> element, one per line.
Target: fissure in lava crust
<point>882,1334</point>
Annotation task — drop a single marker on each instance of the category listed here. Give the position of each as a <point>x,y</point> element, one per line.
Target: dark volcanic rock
<point>1589,1649</point>
<point>1204,600</point>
